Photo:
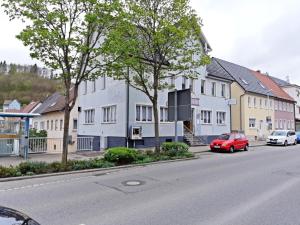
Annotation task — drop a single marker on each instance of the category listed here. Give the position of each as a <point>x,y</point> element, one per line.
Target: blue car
<point>298,136</point>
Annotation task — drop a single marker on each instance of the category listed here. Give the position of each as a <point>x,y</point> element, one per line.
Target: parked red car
<point>230,142</point>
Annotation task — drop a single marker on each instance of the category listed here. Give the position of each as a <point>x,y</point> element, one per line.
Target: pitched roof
<point>244,77</point>
<point>28,108</point>
<point>214,69</point>
<point>54,103</point>
<point>272,85</point>
<point>7,102</point>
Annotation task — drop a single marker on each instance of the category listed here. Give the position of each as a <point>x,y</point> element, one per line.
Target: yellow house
<point>253,112</point>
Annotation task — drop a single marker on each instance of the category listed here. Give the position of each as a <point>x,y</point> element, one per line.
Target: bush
<point>33,167</point>
<point>8,171</point>
<point>173,149</point>
<point>121,155</point>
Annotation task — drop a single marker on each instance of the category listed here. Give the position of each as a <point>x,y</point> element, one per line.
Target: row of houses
<point>226,97</point>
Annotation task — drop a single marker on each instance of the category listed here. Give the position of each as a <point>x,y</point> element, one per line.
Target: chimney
<point>258,71</point>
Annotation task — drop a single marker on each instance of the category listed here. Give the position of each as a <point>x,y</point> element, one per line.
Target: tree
<point>156,40</point>
<point>65,35</point>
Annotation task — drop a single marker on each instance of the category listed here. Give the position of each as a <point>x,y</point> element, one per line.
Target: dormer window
<point>244,81</point>
<point>53,104</point>
<point>262,85</point>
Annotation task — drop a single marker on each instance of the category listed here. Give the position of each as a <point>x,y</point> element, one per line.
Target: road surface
<point>245,188</point>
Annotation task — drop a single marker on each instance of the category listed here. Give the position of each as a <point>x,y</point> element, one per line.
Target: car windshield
<point>298,133</point>
<point>279,133</point>
<point>225,137</point>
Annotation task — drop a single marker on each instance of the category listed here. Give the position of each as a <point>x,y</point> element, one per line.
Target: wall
<point>236,93</point>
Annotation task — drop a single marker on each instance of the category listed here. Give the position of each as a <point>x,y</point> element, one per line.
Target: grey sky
<point>259,34</point>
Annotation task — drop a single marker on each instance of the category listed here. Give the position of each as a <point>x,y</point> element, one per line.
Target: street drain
<point>133,183</point>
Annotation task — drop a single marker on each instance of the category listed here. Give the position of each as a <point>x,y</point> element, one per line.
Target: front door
<point>190,124</point>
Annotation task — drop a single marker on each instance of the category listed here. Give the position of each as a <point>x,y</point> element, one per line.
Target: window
<point>42,125</point>
<point>183,85</point>
<point>47,124</point>
<point>276,105</point>
<point>266,103</point>
<point>89,116</point>
<point>271,104</point>
<point>51,124</point>
<point>292,124</point>
<point>35,125</point>
<point>85,87</point>
<point>288,124</point>
<point>203,87</point>
<point>252,123</point>
<point>284,124</point>
<point>75,124</point>
<point>223,90</point>
<point>260,103</point>
<point>276,124</point>
<point>163,114</point>
<point>206,116</point>
<point>249,102</point>
<point>254,102</point>
<point>213,88</point>
<point>103,82</point>
<point>61,125</point>
<point>280,106</point>
<point>284,106</point>
<point>192,85</point>
<point>280,124</point>
<point>56,124</point>
<point>172,80</point>
<point>143,113</point>
<point>109,114</point>
<point>93,85</point>
<point>244,81</point>
<point>221,117</point>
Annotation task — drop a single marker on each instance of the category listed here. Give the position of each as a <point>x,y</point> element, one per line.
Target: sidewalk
<point>13,160</point>
<point>205,148</point>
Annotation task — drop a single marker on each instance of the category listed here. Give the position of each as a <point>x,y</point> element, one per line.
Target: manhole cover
<point>133,182</point>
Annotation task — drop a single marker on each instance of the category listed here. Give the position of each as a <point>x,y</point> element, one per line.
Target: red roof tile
<point>271,85</point>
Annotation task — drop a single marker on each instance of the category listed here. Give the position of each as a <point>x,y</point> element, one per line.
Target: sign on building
<point>184,105</point>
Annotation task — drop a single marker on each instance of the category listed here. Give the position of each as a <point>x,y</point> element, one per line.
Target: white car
<point>282,137</point>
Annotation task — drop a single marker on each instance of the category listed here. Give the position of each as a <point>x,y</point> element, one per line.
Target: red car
<point>230,142</point>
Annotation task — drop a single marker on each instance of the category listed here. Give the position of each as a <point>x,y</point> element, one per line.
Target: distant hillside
<point>26,87</point>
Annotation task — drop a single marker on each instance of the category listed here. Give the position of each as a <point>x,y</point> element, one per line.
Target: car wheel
<point>231,149</point>
<point>286,143</point>
<point>246,148</point>
<point>296,142</point>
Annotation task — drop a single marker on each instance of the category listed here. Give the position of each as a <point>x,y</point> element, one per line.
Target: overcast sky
<point>259,34</point>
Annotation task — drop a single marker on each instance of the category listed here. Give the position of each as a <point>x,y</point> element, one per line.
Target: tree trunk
<point>66,128</point>
<point>156,127</point>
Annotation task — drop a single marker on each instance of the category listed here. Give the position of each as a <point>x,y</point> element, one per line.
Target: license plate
<point>217,146</point>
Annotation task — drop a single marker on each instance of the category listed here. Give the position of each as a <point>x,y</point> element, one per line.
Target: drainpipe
<point>241,119</point>
<point>230,108</point>
<point>127,110</point>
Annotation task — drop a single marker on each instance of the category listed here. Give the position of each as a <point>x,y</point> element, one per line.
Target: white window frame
<point>203,87</point>
<point>109,114</point>
<point>163,114</point>
<point>214,89</point>
<point>61,125</point>
<point>75,127</point>
<point>89,116</point>
<point>93,85</point>
<point>204,117</point>
<point>251,124</point>
<point>223,90</point>
<point>148,113</point>
<point>220,120</point>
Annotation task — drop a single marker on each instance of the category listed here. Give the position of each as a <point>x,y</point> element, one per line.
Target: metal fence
<point>85,143</point>
<point>9,146</point>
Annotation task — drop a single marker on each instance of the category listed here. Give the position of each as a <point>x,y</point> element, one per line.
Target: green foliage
<point>8,171</point>
<point>34,167</point>
<point>35,133</point>
<point>26,87</point>
<point>121,155</point>
<point>174,148</point>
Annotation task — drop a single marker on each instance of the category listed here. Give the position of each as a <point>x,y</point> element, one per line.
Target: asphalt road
<point>259,187</point>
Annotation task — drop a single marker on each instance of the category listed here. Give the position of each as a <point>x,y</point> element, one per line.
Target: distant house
<point>30,108</point>
<point>11,104</point>
<point>294,91</point>
<point>52,121</point>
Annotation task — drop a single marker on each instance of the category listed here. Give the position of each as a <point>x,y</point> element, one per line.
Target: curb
<point>116,168</point>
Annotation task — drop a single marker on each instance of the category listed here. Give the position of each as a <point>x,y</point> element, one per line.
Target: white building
<point>110,109</point>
